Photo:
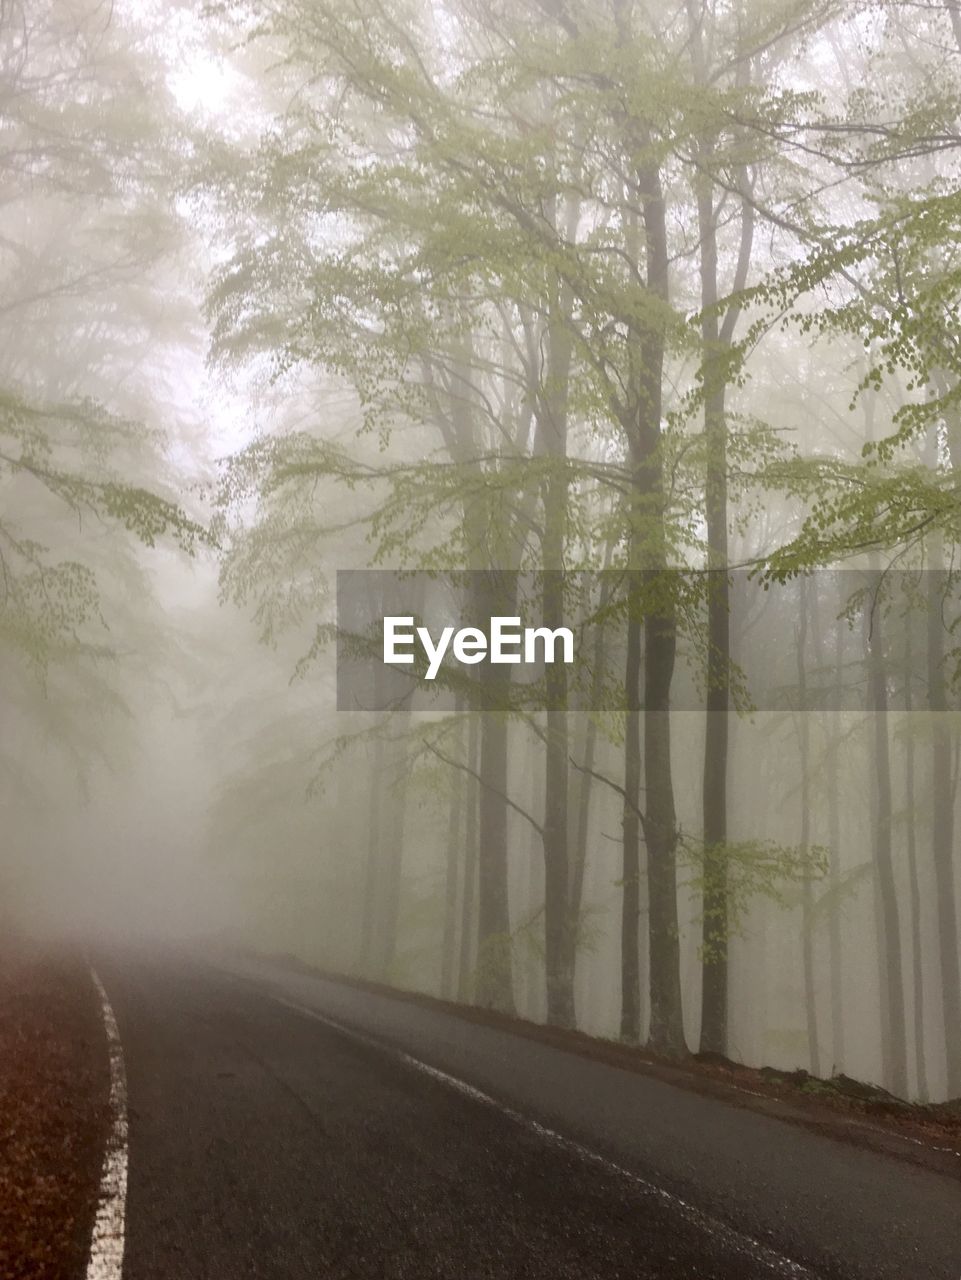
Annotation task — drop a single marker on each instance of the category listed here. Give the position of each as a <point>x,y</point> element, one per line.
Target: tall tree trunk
<point>494,980</point>
<point>943,787</point>
<point>640,412</point>
<point>942,825</point>
<point>893,1033</point>
<point>588,748</point>
<point>558,928</point>
<point>455,850</point>
<point>492,592</point>
<point>716,338</point>
<point>393,824</point>
<point>910,798</point>
<point>552,434</point>
<point>714,997</point>
<point>666,1033</point>
<point>372,869</point>
<point>531,966</point>
<point>468,928</point>
<point>385,848</point>
<point>714,941</point>
<point>894,1051</point>
<point>807,914</point>
<point>631,866</point>
<point>835,953</point>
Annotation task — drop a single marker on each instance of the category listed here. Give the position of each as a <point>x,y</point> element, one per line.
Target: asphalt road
<point>286,1126</point>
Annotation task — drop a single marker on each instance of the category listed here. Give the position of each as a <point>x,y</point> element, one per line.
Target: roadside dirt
<point>841,1108</point>
<point>54,1081</point>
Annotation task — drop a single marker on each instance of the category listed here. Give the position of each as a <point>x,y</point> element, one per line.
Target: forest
<point>642,317</point>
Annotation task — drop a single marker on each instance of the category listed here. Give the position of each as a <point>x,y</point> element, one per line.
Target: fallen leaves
<point>53,1113</point>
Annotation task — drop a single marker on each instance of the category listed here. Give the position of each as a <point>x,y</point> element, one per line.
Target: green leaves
<point>56,459</point>
<point>748,869</point>
<point>860,506</point>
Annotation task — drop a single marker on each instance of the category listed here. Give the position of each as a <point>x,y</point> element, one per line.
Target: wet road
<point>286,1126</point>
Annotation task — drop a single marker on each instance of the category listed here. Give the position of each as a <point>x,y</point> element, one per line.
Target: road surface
<point>286,1126</point>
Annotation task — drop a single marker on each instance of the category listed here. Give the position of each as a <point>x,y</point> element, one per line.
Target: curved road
<point>287,1126</point>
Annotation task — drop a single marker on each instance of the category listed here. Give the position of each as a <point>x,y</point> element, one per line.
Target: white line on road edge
<point>106,1242</point>
<point>729,1236</point>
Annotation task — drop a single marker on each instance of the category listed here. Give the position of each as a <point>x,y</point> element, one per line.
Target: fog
<point>621,293</point>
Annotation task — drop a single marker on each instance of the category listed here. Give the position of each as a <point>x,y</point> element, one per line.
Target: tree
<point>73,450</point>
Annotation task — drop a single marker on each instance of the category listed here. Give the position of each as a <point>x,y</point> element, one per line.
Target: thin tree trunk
<point>588,750</point>
<point>455,851</point>
<point>534,987</point>
<point>552,433</point>
<point>714,943</point>
<point>492,593</point>
<point>894,1051</point>
<point>834,836</point>
<point>716,339</point>
<point>583,790</point>
<point>942,828</point>
<point>392,849</point>
<point>494,982</point>
<point>631,866</point>
<point>893,1036</point>
<point>807,914</point>
<point>494,975</point>
<point>942,831</point>
<point>912,851</point>
<point>468,928</point>
<point>666,1032</point>
<point>371,871</point>
<point>640,415</point>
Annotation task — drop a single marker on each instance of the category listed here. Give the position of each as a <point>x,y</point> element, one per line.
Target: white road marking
<point>107,1240</point>
<point>728,1236</point>
<point>929,1146</point>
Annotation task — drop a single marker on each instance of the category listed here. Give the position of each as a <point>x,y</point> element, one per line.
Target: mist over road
<point>283,1125</point>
